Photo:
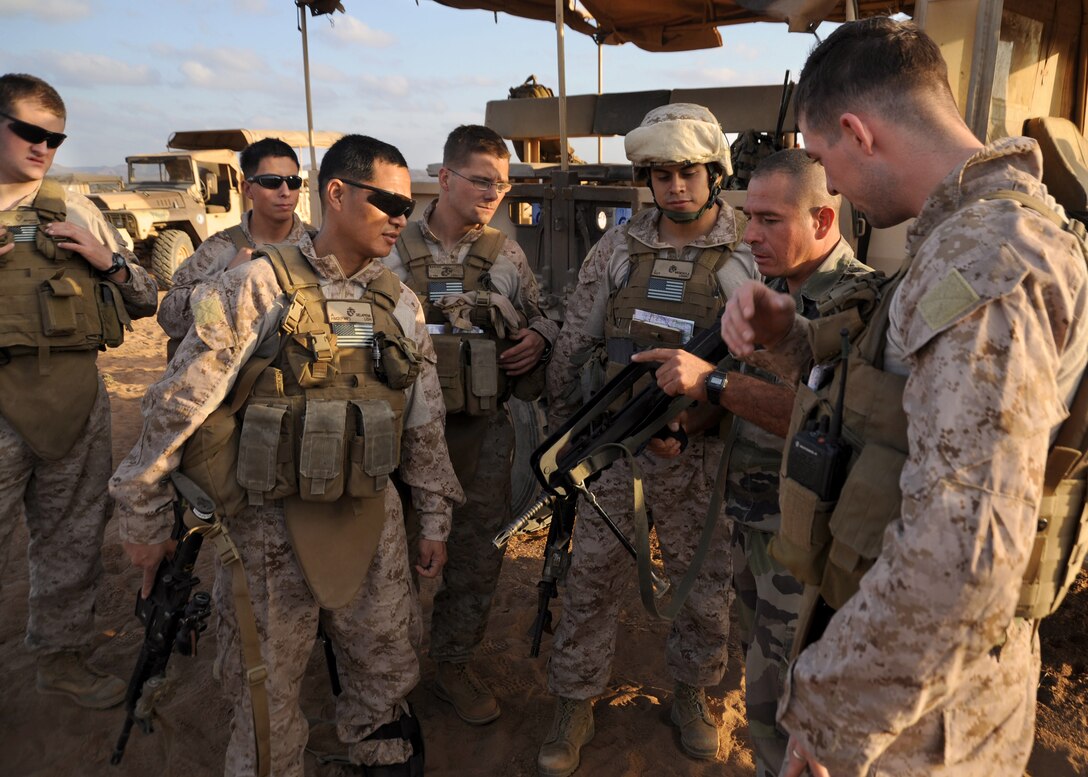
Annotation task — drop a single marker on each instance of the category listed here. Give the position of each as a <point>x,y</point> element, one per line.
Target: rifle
<point>171,619</point>
<point>586,445</point>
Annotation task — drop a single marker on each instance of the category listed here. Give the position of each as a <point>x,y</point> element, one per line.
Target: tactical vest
<point>468,371</point>
<point>237,236</point>
<point>831,544</point>
<point>56,313</point>
<point>321,412</point>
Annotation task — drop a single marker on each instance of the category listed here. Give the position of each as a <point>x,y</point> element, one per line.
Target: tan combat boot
<point>698,732</point>
<point>471,699</point>
<point>69,673</point>
<point>571,728</point>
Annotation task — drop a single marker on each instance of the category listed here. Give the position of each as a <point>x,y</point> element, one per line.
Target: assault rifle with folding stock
<point>171,618</point>
<point>586,445</point>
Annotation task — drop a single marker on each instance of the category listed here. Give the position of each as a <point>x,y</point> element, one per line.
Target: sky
<point>133,71</point>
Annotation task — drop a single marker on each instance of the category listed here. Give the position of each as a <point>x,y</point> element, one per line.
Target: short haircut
<point>353,157</point>
<point>262,149</point>
<point>20,86</point>
<point>469,139</point>
<point>878,64</point>
<point>805,173</point>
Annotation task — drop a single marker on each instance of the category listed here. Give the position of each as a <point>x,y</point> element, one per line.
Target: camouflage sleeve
<point>981,401</point>
<point>580,330</point>
<point>528,301</point>
<point>139,292</point>
<point>790,358</point>
<point>425,460</point>
<point>229,323</point>
<point>206,263</point>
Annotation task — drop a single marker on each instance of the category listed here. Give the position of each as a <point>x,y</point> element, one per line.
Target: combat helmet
<point>680,133</point>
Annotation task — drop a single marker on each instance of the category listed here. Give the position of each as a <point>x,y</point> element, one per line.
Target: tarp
<point>238,139</point>
<point>678,25</point>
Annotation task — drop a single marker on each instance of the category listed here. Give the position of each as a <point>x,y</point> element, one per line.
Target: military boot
<point>69,673</point>
<point>571,728</point>
<point>698,732</point>
<point>471,699</point>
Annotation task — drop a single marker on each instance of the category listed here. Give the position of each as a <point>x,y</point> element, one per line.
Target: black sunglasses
<point>270,181</point>
<point>32,133</point>
<point>389,203</point>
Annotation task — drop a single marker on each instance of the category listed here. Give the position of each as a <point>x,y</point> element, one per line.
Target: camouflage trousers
<point>677,491</point>
<point>66,506</point>
<point>372,638</point>
<point>768,600</point>
<point>481,449</point>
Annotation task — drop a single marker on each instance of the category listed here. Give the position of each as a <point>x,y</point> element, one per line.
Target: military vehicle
<point>172,201</point>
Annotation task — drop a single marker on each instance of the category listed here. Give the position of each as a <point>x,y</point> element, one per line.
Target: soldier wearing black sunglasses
<point>273,185</point>
<point>55,449</point>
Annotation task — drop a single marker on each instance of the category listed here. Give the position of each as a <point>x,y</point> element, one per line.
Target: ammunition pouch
<point>400,361</point>
<point>469,373</point>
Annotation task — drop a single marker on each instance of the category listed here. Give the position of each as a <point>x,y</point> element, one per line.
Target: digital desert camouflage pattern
<point>65,502</point>
<point>677,491</point>
<point>207,263</point>
<point>232,315</point>
<point>768,596</point>
<point>925,670</point>
<point>482,451</point>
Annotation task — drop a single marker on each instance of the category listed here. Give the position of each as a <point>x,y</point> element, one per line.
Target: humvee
<point>172,201</point>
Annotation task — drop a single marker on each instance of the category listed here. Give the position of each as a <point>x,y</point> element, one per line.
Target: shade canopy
<point>238,139</point>
<point>678,25</point>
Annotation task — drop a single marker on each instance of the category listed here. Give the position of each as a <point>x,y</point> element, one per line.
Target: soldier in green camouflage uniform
<point>792,230</point>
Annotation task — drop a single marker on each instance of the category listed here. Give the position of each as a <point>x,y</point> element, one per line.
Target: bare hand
<point>668,448</point>
<point>243,256</point>
<point>798,759</point>
<point>680,373</point>
<point>73,237</point>
<point>755,315</point>
<point>519,359</point>
<point>10,245</point>
<point>148,558</point>
<point>432,557</point>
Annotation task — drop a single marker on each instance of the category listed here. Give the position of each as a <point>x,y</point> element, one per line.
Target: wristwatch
<point>119,263</point>
<point>715,384</point>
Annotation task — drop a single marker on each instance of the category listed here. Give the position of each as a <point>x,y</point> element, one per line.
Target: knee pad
<point>405,727</point>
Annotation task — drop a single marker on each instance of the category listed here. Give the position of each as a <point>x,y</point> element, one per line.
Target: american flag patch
<point>666,289</point>
<point>438,289</point>
<point>353,334</point>
<point>24,233</point>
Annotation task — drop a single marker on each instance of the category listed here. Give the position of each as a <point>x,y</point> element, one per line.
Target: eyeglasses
<point>482,184</point>
<point>389,203</point>
<point>32,133</point>
<point>270,181</point>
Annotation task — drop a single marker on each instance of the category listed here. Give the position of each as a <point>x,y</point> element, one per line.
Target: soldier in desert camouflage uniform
<point>925,670</point>
<point>452,235</point>
<point>55,450</point>
<point>680,151</point>
<point>793,233</point>
<point>365,187</point>
<point>272,184</point>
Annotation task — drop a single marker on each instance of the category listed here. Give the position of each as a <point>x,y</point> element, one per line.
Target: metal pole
<point>600,89</point>
<point>306,77</point>
<point>564,162</point>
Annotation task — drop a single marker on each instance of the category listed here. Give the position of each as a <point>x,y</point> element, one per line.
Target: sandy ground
<point>46,736</point>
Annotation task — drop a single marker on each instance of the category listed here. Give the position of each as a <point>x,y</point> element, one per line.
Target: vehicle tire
<point>171,248</point>
<point>528,420</point>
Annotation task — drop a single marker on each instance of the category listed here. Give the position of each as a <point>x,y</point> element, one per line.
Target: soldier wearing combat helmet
<point>655,281</point>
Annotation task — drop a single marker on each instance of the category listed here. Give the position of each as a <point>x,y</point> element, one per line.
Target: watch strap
<point>715,383</point>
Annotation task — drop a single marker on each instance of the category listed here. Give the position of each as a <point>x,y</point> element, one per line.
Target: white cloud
<point>47,10</point>
<point>346,31</point>
<point>84,69</point>
<point>198,74</point>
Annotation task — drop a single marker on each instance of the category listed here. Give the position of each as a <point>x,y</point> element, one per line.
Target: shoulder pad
<point>50,201</point>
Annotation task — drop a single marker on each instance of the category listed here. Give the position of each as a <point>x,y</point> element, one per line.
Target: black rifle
<point>586,445</point>
<point>171,619</point>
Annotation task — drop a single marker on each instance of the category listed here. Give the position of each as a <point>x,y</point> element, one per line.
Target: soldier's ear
<point>824,217</point>
<point>858,132</point>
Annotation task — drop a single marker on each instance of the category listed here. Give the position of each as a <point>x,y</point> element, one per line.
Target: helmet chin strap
<point>683,217</point>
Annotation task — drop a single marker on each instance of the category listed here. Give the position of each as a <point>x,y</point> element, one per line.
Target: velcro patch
<point>669,268</point>
<point>208,311</point>
<point>440,271</point>
<point>947,301</point>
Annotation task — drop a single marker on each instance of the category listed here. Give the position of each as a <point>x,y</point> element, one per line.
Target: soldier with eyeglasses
<point>272,183</point>
<point>68,288</point>
<point>481,301</point>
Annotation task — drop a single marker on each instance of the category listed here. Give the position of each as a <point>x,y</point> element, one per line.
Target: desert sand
<point>48,736</point>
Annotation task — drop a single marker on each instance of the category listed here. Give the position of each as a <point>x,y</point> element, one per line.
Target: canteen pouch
<point>58,298</point>
<point>450,369</point>
<point>266,452</point>
<point>374,449</point>
<point>209,458</point>
<point>399,360</point>
<point>321,451</point>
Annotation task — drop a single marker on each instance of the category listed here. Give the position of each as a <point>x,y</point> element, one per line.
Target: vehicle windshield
<point>173,170</point>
